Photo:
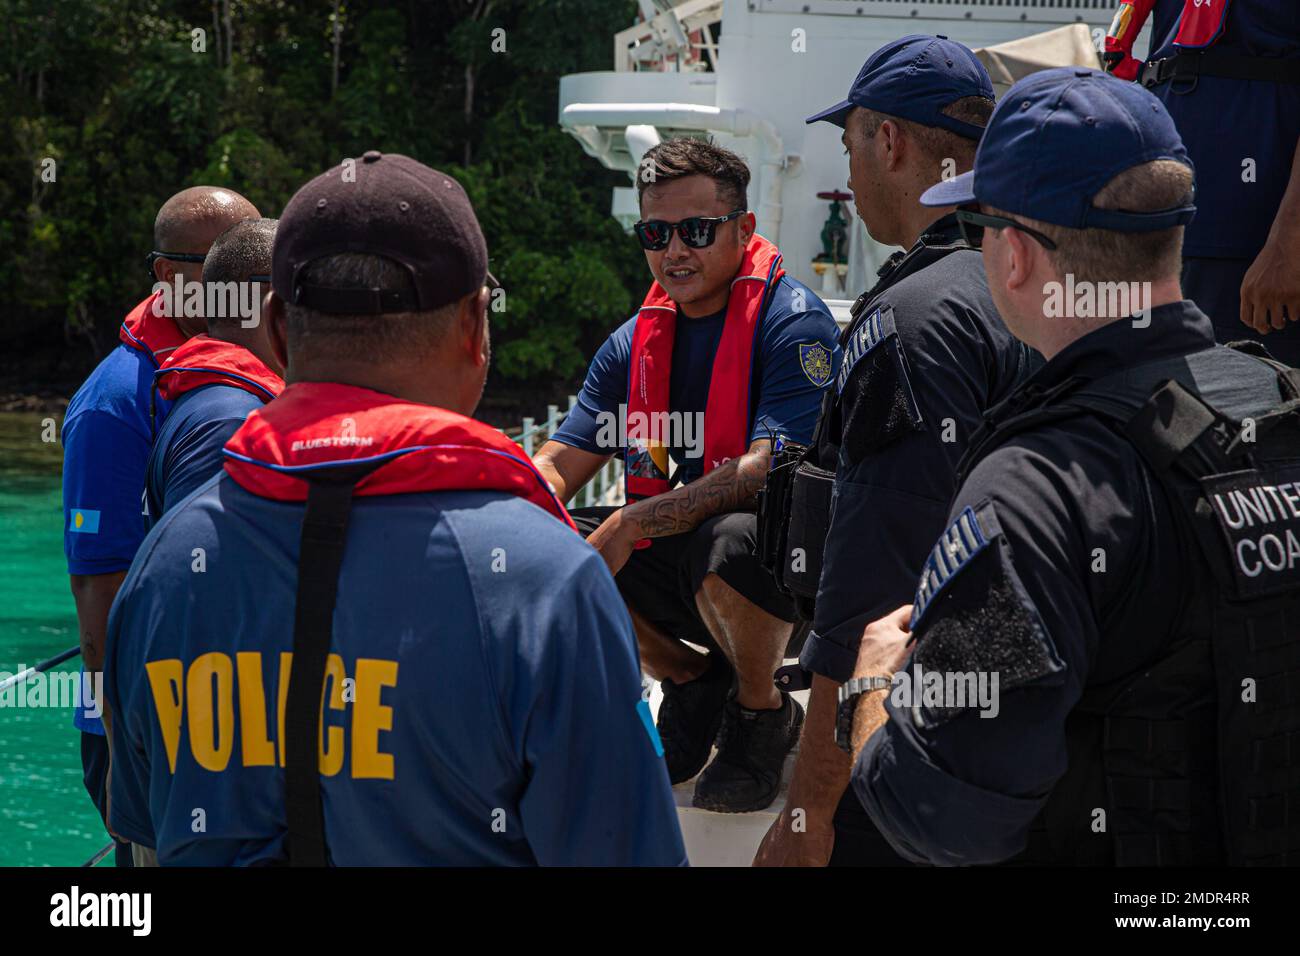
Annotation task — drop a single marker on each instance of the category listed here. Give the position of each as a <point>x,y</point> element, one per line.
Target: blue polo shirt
<point>796,354</point>
<point>483,704</point>
<point>1241,134</point>
<point>106,439</point>
<point>189,447</point>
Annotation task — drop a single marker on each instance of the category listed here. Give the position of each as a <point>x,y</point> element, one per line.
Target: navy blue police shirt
<point>483,703</point>
<point>106,435</point>
<point>1027,531</point>
<point>797,354</point>
<point>188,450</point>
<point>929,359</point>
<point>1240,134</point>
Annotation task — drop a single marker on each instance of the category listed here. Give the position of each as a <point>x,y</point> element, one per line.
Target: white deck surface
<point>725,839</point>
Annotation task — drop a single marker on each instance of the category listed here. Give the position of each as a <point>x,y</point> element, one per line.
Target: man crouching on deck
<point>726,355</point>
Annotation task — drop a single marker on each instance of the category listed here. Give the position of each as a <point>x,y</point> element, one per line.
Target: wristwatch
<point>849,694</point>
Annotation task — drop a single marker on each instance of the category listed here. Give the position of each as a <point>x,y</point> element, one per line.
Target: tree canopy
<point>113,105</point>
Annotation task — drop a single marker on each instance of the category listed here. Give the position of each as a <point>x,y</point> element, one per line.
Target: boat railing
<point>605,488</point>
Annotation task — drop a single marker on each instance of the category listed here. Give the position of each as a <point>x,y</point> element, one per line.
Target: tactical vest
<point>794,506</point>
<point>1195,757</point>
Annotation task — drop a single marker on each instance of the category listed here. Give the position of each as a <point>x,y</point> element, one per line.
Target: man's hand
<point>614,540</point>
<point>1272,283</point>
<point>883,652</point>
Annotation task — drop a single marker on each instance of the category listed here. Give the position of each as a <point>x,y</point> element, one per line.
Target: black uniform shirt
<point>914,382</point>
<point>1057,537</point>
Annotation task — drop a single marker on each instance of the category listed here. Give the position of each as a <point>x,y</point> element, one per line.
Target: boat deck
<point>725,839</point>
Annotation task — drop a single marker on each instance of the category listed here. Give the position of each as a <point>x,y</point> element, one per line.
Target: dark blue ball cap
<point>916,78</point>
<point>1056,139</point>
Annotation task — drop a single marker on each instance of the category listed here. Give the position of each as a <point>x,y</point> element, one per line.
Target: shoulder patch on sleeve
<point>973,618</point>
<point>874,387</point>
<point>815,360</point>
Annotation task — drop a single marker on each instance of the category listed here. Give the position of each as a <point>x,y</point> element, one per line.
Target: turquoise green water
<point>46,819</point>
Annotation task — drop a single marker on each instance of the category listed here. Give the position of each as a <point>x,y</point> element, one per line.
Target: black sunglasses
<point>973,224</point>
<point>154,256</point>
<point>697,232</point>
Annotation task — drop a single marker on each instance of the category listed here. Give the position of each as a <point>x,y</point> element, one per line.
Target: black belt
<point>1180,65</point>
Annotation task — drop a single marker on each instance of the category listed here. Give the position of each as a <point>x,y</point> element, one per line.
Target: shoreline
<point>40,400</point>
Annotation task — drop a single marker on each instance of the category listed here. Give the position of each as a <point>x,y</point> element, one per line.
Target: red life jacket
<point>317,426</point>
<point>726,416</point>
<point>147,330</point>
<point>1199,26</point>
<point>207,361</point>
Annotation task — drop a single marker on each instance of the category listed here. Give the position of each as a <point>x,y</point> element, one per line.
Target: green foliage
<point>114,92</point>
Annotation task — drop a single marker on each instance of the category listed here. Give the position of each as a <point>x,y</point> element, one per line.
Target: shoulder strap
<point>320,558</point>
<point>1148,405</point>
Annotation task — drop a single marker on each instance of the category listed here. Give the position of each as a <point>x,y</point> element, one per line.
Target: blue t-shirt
<point>1240,134</point>
<point>188,450</point>
<point>483,703</point>
<point>796,354</point>
<point>106,439</point>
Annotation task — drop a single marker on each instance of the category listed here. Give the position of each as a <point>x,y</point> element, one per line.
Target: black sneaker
<point>689,717</point>
<point>746,774</point>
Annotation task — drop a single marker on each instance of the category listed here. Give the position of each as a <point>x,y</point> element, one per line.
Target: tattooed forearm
<point>732,486</point>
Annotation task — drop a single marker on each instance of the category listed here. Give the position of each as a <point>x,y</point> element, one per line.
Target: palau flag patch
<point>83,520</point>
<point>815,359</point>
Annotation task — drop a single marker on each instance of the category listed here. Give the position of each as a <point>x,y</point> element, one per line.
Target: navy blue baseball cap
<point>916,78</point>
<point>1056,139</point>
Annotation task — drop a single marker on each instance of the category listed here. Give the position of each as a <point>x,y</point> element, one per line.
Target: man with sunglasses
<point>727,356</point>
<point>214,380</point>
<point>925,355</point>
<point>108,429</point>
<point>1124,549</point>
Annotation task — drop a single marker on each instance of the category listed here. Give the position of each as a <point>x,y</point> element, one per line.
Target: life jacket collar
<point>147,330</point>
<point>319,430</point>
<point>207,361</point>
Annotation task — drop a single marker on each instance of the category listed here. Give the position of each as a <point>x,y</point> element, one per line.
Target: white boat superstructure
<point>747,73</point>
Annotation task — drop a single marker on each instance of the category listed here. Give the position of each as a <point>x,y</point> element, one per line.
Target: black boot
<point>752,745</point>
<point>689,717</point>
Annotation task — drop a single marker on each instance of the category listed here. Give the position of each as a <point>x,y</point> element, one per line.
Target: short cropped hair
<point>1104,255</point>
<point>678,158</point>
<point>936,143</point>
<point>238,254</point>
<point>377,338</point>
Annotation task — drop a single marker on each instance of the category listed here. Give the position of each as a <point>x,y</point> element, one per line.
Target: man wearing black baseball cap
<point>379,629</point>
<point>925,355</point>
<point>1119,589</point>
